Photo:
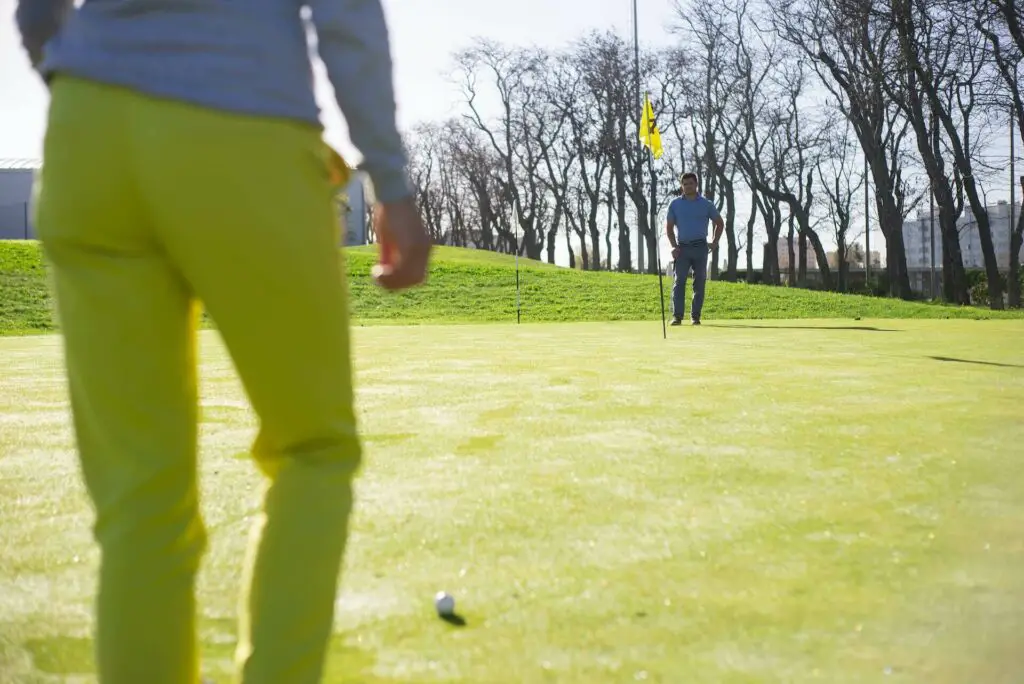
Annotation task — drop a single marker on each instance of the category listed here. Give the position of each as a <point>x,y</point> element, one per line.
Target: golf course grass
<point>749,501</point>
<point>471,286</point>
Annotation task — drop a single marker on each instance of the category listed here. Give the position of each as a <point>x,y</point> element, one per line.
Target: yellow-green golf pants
<point>146,207</point>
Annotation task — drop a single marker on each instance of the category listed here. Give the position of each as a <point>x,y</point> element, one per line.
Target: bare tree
<point>760,119</point>
<point>848,47</point>
<point>513,75</point>
<point>425,164</point>
<point>558,90</point>
<point>795,147</point>
<point>1002,24</point>
<point>941,64</point>
<point>841,182</point>
<point>602,125</point>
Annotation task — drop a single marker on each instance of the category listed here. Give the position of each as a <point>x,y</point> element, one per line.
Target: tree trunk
<point>819,255</point>
<point>568,244</point>
<point>841,264</point>
<point>750,238</point>
<point>954,277</point>
<point>625,251</point>
<point>730,232</point>
<point>608,240</point>
<point>792,253</point>
<point>611,211</point>
<point>771,262</point>
<point>891,221</point>
<point>553,233</point>
<point>595,236</point>
<point>773,229</point>
<point>988,250</point>
<point>950,291</point>
<point>802,244</point>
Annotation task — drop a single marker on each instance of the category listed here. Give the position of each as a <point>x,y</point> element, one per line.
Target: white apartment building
<point>917,237</point>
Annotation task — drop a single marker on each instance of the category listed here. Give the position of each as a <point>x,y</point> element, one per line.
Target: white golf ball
<point>445,603</point>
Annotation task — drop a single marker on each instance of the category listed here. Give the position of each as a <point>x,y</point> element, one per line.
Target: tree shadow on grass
<point>863,328</point>
<point>949,359</point>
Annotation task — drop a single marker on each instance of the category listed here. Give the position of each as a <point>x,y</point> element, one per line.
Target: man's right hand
<point>676,251</point>
<point>404,245</point>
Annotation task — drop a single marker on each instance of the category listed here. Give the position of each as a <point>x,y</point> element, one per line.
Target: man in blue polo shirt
<point>687,230</point>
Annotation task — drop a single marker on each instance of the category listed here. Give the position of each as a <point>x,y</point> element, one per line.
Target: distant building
<point>354,211</point>
<point>17,176</point>
<point>854,258</point>
<point>783,247</point>
<point>917,239</point>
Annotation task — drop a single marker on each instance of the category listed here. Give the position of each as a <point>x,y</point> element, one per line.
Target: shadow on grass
<point>948,359</point>
<point>864,328</point>
<point>455,620</point>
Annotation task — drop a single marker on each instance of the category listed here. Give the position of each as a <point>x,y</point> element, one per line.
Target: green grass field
<point>774,501</point>
<point>479,287</point>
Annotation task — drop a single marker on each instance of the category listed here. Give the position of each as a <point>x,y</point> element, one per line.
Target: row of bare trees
<point>790,110</point>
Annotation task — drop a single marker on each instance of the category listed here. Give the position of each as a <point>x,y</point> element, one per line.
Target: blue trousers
<point>692,256</point>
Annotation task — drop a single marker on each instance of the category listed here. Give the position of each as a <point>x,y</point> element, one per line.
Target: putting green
<point>811,500</point>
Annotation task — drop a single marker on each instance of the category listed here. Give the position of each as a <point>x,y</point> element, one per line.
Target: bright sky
<point>422,43</point>
<point>423,40</point>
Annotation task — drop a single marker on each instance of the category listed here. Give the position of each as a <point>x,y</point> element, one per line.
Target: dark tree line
<point>545,148</point>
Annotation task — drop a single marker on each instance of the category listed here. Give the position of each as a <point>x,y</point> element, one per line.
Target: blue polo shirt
<point>690,217</point>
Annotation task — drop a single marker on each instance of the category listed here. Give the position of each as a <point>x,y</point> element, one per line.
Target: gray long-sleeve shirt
<point>248,56</point>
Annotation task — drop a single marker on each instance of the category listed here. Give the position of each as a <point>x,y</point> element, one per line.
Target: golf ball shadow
<point>454,619</point>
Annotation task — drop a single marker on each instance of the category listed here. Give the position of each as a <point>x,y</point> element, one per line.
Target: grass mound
<point>468,286</point>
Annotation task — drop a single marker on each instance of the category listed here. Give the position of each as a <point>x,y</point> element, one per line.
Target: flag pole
<point>660,282</point>
<point>640,158</point>
<point>515,221</point>
<point>657,241</point>
<point>643,110</point>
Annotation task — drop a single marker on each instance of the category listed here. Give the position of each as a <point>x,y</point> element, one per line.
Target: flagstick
<point>640,158</point>
<point>648,126</point>
<point>661,286</point>
<point>515,219</point>
<point>657,240</point>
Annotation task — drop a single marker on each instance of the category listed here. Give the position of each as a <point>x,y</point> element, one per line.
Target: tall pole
<point>515,220</point>
<point>640,147</point>
<point>932,287</point>
<point>936,150</point>
<point>867,227</point>
<point>1013,177</point>
<point>657,244</point>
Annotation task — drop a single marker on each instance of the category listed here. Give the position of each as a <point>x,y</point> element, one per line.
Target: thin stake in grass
<point>515,221</point>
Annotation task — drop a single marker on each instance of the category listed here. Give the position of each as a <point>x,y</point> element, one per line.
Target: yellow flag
<point>649,134</point>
